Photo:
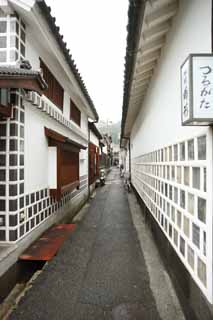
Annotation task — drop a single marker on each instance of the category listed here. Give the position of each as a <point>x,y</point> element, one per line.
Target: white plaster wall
<point>31,52</point>
<point>159,120</point>
<point>66,107</point>
<point>84,163</point>
<point>94,139</point>
<point>35,50</point>
<point>52,167</point>
<point>84,123</point>
<point>105,149</point>
<point>36,147</point>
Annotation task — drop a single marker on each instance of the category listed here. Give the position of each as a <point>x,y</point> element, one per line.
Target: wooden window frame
<point>55,91</point>
<point>62,187</point>
<point>93,163</point>
<point>64,146</point>
<point>75,113</point>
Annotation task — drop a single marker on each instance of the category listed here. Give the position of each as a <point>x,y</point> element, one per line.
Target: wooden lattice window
<point>64,161</point>
<point>75,113</point>
<point>69,167</point>
<point>54,92</point>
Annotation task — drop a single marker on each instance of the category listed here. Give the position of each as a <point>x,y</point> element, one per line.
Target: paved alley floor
<point>100,272</point>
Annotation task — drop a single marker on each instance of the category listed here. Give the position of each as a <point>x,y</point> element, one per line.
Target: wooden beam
<point>147,58</point>
<point>142,77</point>
<point>157,31</point>
<point>134,95</point>
<point>141,84</point>
<point>21,83</point>
<point>153,45</point>
<point>138,100</point>
<point>140,90</point>
<point>54,135</point>
<point>162,13</point>
<point>67,143</point>
<point>145,68</point>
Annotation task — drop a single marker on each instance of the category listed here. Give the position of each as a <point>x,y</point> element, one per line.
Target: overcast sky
<point>95,31</point>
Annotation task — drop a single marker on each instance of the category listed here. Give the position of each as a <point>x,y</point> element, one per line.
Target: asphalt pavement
<point>100,272</point>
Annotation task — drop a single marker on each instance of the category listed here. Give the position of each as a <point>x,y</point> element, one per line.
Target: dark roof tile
<point>17,72</point>
<point>46,12</point>
<point>135,19</point>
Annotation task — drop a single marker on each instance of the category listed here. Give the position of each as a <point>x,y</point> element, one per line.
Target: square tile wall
<point>21,212</point>
<point>173,183</point>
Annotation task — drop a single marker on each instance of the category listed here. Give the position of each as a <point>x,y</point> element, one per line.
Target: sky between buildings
<point>95,31</point>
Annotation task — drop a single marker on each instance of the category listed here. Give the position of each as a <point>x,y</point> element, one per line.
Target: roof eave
<point>135,21</point>
<point>46,13</point>
<point>147,32</point>
<point>95,130</point>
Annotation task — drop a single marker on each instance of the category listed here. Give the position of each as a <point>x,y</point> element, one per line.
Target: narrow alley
<point>100,272</point>
<point>106,160</point>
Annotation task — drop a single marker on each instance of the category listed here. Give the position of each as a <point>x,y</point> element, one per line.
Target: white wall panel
<point>159,120</point>
<point>36,147</point>
<point>163,172</point>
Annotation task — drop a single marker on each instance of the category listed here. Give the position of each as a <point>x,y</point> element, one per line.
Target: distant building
<point>107,150</point>
<point>167,131</point>
<point>115,153</point>
<point>95,139</point>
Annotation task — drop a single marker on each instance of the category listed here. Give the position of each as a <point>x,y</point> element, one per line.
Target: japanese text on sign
<point>185,91</point>
<point>206,87</point>
<point>202,75</point>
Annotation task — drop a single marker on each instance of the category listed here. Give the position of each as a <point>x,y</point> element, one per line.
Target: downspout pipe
<point>88,161</point>
<point>130,161</point>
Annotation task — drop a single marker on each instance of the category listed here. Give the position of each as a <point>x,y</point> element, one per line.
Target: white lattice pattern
<point>175,183</point>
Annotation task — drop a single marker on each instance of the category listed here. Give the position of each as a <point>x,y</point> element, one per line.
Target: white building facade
<point>44,138</point>
<point>171,163</point>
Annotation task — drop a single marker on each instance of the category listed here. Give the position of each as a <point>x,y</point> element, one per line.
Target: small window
<point>175,236</point>
<point>69,167</point>
<point>3,56</point>
<point>201,270</point>
<point>63,163</point>
<point>22,50</point>
<point>191,203</point>
<point>182,199</point>
<point>182,151</point>
<point>201,141</point>
<point>22,35</point>
<point>186,176</point>
<point>196,178</point>
<point>3,42</point>
<point>202,209</point>
<point>191,258</point>
<point>75,113</point>
<point>182,246</point>
<point>186,226</point>
<point>54,92</point>
<point>3,26</point>
<point>191,150</point>
<point>196,235</point>
<point>4,97</point>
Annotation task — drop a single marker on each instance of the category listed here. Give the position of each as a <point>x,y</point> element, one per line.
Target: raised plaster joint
<point>23,4</point>
<point>5,7</point>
